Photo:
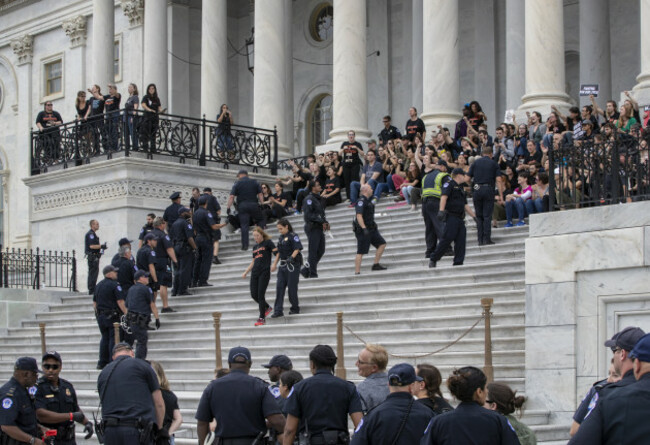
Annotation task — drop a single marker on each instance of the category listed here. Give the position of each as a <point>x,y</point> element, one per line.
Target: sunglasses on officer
<point>51,366</point>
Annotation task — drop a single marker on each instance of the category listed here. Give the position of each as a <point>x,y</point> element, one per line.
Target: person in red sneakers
<point>261,271</point>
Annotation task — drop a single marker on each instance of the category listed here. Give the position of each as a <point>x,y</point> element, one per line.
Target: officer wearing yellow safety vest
<point>431,191</point>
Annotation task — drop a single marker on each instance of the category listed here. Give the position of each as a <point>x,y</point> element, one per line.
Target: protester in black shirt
<point>352,154</point>
<point>111,109</point>
<point>261,272</point>
<point>130,117</point>
<point>415,125</point>
<point>331,193</point>
<point>279,201</point>
<point>48,122</point>
<point>152,107</point>
<point>80,105</point>
<point>172,419</point>
<point>224,135</point>
<point>94,115</point>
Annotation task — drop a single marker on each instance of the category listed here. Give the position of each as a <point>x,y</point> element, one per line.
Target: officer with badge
<point>484,171</point>
<point>398,419</point>
<point>171,212</point>
<point>140,305</point>
<point>147,228</point>
<point>56,402</point>
<point>249,196</point>
<point>205,224</point>
<point>116,258</point>
<point>240,403</point>
<point>182,235</point>
<point>108,303</point>
<point>365,230</point>
<point>18,424</point>
<point>276,366</point>
<point>322,423</point>
<point>126,268</point>
<point>215,209</point>
<point>315,224</point>
<point>288,256</point>
<point>93,250</point>
<point>164,252</point>
<point>453,205</point>
<point>431,192</point>
<point>146,260</point>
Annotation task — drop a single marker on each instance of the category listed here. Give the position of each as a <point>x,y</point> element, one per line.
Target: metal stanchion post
<point>116,331</point>
<point>340,364</point>
<point>486,303</point>
<point>216,316</point>
<point>41,327</point>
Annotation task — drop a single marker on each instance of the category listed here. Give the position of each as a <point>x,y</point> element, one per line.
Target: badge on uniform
<point>153,253</point>
<point>275,391</point>
<point>67,392</point>
<point>92,236</point>
<point>209,215</point>
<point>167,237</point>
<point>296,239</point>
<point>360,204</point>
<point>32,390</point>
<point>189,226</point>
<point>446,184</point>
<point>7,403</point>
<point>309,202</point>
<point>119,288</point>
<point>141,230</point>
<point>286,238</point>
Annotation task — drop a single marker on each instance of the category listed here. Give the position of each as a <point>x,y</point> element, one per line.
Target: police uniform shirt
<point>203,222</point>
<point>126,270</point>
<point>145,257</point>
<point>181,231</point>
<point>139,299</point>
<point>287,244</point>
<point>350,153</point>
<point>428,180</point>
<point>456,198</point>
<point>484,170</point>
<point>107,293</point>
<point>246,190</point>
<point>240,404</point>
<point>382,424</point>
<point>366,209</point>
<point>584,406</point>
<point>171,213</point>
<point>128,393</point>
<point>323,401</point>
<point>91,240</point>
<point>213,204</point>
<point>470,424</point>
<point>58,400</point>
<point>627,379</point>
<point>18,407</point>
<point>388,134</point>
<point>47,121</point>
<point>413,127</point>
<point>164,243</point>
<point>145,229</point>
<point>313,210</point>
<point>112,103</point>
<point>262,254</point>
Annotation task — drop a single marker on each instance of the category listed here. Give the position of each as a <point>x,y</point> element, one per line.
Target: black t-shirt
<point>262,253</point>
<point>333,184</point>
<point>47,120</point>
<point>413,127</point>
<point>125,273</point>
<point>112,103</point>
<point>350,154</point>
<point>152,102</point>
<point>281,196</point>
<point>81,112</point>
<point>304,176</point>
<point>96,106</point>
<point>535,157</point>
<point>139,299</point>
<point>171,404</point>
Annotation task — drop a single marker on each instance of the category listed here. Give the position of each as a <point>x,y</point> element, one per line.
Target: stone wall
<point>17,305</point>
<point>586,278</point>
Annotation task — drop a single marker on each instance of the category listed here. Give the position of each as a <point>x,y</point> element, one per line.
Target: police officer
<point>56,402</point>
<point>140,305</point>
<point>276,366</point>
<point>116,258</point>
<point>365,230</point>
<point>389,132</point>
<point>18,414</point>
<point>108,303</point>
<point>484,171</point>
<point>94,250</point>
<point>182,235</point>
<point>431,192</point>
<point>239,403</point>
<point>453,205</point>
<point>205,224</point>
<point>622,415</point>
<point>146,260</point>
<point>215,209</point>
<point>322,423</point>
<point>171,212</point>
<point>147,228</point>
<point>126,268</point>
<point>287,254</point>
<point>164,253</point>
<point>398,420</point>
<point>470,422</point>
<point>315,224</point>
<point>249,195</point>
<point>131,400</point>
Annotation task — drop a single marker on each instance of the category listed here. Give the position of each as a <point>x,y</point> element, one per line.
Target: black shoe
<point>215,260</point>
<point>149,328</point>
<point>100,367</point>
<point>174,294</point>
<point>184,293</point>
<point>432,264</point>
<point>276,315</point>
<point>457,264</point>
<point>304,272</point>
<point>204,285</point>
<point>489,242</point>
<point>166,310</point>
<point>244,248</point>
<point>378,266</point>
<point>292,312</point>
<point>427,255</point>
<point>313,275</point>
<point>449,252</point>
<point>480,243</point>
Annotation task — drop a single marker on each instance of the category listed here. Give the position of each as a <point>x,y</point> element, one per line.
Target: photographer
<point>224,136</point>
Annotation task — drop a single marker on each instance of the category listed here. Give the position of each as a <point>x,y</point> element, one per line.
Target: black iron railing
<point>29,269</point>
<point>589,174</point>
<point>286,164</point>
<point>180,137</point>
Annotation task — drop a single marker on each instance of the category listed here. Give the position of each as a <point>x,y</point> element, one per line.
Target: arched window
<point>320,121</point>
<point>321,22</point>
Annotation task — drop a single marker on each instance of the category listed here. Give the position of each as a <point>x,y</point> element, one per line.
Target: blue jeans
<point>355,186</point>
<point>534,206</point>
<point>518,205</point>
<point>389,181</point>
<point>377,187</point>
<point>406,191</point>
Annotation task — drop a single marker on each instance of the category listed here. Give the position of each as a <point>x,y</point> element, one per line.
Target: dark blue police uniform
<point>240,404</point>
<point>470,424</point>
<point>144,258</point>
<point>599,390</point>
<point>388,134</point>
<point>366,209</point>
<point>17,408</point>
<point>484,171</point>
<point>107,293</point>
<point>138,303</point>
<point>288,273</point>
<point>306,402</point>
<point>127,397</point>
<point>203,222</point>
<point>147,228</point>
<point>163,271</point>
<point>455,230</point>
<point>61,399</point>
<point>246,191</point>
<point>171,213</point>
<point>214,208</point>
<point>93,256</point>
<point>314,215</point>
<point>181,232</point>
<point>382,424</point>
<point>126,269</point>
<point>431,192</point>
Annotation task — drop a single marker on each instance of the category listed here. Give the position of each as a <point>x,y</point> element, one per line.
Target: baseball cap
<point>27,364</point>
<point>108,269</point>
<point>124,241</point>
<point>52,354</point>
<point>443,163</point>
<point>281,361</point>
<point>642,349</point>
<point>139,274</point>
<point>203,199</point>
<point>149,236</point>
<point>239,352</point>
<point>625,339</point>
<point>183,210</point>
<point>402,374</point>
<point>242,172</point>
<point>122,346</point>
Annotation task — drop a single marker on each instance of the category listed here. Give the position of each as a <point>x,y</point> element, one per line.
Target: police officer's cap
<point>139,274</point>
<point>642,349</point>
<point>203,199</point>
<point>239,354</point>
<point>457,171</point>
<point>122,346</point>
<point>108,269</point>
<point>175,195</point>
<point>625,339</point>
<point>443,163</point>
<point>149,236</point>
<point>124,241</point>
<point>402,374</point>
<point>183,210</point>
<point>242,172</point>
<point>26,364</point>
<point>281,361</point>
<point>52,354</point>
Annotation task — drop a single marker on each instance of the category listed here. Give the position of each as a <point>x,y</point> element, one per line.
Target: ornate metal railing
<point>29,269</point>
<point>590,174</point>
<point>180,137</point>
<point>286,164</point>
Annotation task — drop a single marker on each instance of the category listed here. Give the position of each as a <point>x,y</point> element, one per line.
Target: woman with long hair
<point>502,399</point>
<point>130,116</point>
<point>224,135</point>
<point>261,271</point>
<point>172,419</point>
<point>80,105</point>
<point>287,254</point>
<point>152,107</point>
<point>429,393</point>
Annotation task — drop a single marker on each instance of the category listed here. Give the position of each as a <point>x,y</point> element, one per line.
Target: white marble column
<point>155,49</point>
<point>269,89</point>
<point>288,43</point>
<point>214,56</point>
<point>132,52</point>
<point>417,26</point>
<point>103,43</point>
<point>441,72</point>
<point>350,89</point>
<point>595,60</point>
<point>642,88</point>
<point>515,53</point>
<point>545,72</point>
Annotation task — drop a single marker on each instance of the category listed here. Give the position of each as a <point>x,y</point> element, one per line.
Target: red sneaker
<point>260,322</point>
<point>268,311</point>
